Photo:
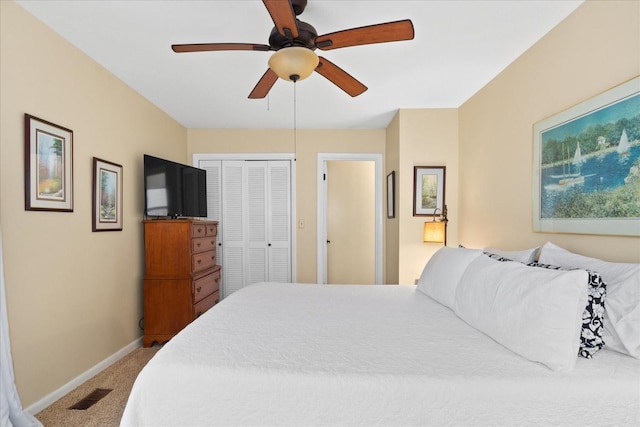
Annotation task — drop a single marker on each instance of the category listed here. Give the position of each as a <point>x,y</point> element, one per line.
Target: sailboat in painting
<point>624,146</point>
<point>569,178</point>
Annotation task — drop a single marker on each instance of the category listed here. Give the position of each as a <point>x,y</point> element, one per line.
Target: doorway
<point>349,218</point>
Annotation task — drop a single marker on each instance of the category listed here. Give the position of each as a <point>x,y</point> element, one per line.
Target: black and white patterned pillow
<point>498,257</point>
<point>591,335</point>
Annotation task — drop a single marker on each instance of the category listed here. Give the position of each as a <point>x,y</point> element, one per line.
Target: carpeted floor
<point>106,412</point>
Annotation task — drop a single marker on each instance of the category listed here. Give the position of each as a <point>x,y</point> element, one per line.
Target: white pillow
<point>534,312</point>
<point>525,256</point>
<point>622,306</point>
<point>443,271</point>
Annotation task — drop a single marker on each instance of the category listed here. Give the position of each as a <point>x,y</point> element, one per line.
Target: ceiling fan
<point>296,37</point>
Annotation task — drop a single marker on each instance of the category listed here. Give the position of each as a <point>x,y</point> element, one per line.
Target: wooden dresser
<point>182,275</point>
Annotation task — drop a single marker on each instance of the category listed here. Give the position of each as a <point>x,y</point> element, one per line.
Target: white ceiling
<point>459,46</point>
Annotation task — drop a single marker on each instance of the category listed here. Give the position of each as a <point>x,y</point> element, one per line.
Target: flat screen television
<point>173,190</point>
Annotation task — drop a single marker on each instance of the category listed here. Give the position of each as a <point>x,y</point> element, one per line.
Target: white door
<point>268,197</point>
<point>232,227</point>
<point>253,199</point>
<point>256,221</point>
<point>279,221</point>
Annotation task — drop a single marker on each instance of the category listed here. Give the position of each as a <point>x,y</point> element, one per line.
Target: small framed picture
<point>391,195</point>
<point>48,166</point>
<point>428,190</point>
<point>107,196</point>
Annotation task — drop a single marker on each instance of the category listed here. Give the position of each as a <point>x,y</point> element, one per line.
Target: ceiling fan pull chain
<point>295,127</point>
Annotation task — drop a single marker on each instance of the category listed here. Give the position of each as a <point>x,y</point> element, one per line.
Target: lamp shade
<point>293,63</point>
<point>434,232</point>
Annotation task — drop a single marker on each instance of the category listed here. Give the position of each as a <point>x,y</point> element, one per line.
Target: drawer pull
<point>199,261</point>
<point>198,289</point>
<point>198,244</point>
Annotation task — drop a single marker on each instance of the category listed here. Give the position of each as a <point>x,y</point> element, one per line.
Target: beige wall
<point>73,296</point>
<point>594,49</point>
<point>392,225</point>
<point>427,138</point>
<point>308,144</point>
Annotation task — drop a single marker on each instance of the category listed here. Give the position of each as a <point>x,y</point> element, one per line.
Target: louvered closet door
<point>279,220</point>
<point>252,202</point>
<point>256,222</point>
<point>233,219</point>
<point>214,197</point>
<point>268,219</point>
<point>232,273</point>
<point>214,189</point>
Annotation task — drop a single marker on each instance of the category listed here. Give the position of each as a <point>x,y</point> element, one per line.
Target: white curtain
<point>11,412</point>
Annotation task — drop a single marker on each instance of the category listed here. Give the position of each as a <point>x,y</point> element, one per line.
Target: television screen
<point>173,189</point>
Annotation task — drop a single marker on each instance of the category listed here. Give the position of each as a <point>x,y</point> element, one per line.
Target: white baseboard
<point>57,394</point>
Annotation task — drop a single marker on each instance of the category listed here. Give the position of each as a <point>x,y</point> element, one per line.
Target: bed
<point>275,354</point>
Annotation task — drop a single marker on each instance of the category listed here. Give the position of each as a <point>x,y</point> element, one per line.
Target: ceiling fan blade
<point>264,85</point>
<point>283,17</point>
<point>379,33</point>
<point>339,77</point>
<point>203,47</point>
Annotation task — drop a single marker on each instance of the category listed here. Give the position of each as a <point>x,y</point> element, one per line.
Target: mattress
<point>319,355</point>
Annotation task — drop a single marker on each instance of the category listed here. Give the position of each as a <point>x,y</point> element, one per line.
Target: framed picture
<point>428,190</point>
<point>391,195</point>
<point>48,166</point>
<point>107,196</point>
<point>586,166</point>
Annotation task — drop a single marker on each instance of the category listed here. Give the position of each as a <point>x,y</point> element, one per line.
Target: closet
<point>252,201</point>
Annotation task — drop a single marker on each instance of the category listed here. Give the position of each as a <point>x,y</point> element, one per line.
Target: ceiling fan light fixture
<point>294,63</point>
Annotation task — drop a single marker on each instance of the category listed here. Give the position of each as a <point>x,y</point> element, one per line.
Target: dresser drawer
<point>198,230</point>
<point>203,260</point>
<point>205,304</point>
<point>205,285</point>
<point>212,229</point>
<point>202,244</point>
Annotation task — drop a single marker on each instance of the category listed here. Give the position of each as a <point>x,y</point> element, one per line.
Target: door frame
<point>321,191</point>
<point>291,157</point>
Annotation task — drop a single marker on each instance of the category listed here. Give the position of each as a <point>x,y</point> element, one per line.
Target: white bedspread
<point>304,355</point>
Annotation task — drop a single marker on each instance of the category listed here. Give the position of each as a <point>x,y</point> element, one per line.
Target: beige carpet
<point>107,411</point>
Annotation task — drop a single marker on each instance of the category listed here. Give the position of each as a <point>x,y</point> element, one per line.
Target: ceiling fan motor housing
<point>298,6</point>
<point>306,37</point>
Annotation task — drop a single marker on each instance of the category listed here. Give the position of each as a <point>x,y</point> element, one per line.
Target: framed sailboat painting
<point>586,166</point>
